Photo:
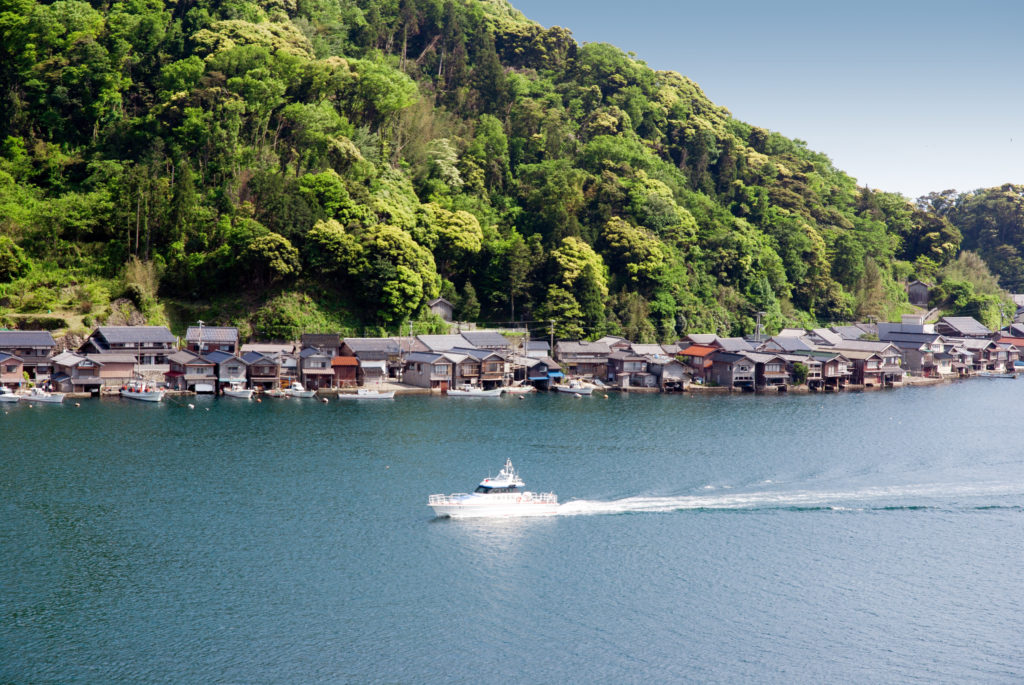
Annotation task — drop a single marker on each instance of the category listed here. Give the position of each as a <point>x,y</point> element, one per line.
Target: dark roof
<point>582,347</point>
<point>213,334</point>
<point>966,325</point>
<point>309,352</point>
<point>727,357</point>
<point>537,345</point>
<point>254,357</point>
<point>386,345</point>
<point>905,339</point>
<point>320,340</point>
<point>475,354</point>
<point>135,334</point>
<point>220,356</point>
<point>4,356</point>
<point>424,357</point>
<point>486,339</point>
<point>26,339</point>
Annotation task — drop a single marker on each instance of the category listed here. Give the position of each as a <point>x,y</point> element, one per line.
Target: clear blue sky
<point>906,96</point>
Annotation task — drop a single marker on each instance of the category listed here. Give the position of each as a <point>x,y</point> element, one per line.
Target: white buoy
<point>77,404</point>
<point>191,406</point>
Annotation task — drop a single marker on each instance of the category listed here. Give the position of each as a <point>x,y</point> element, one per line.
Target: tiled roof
<point>321,339</point>
<point>966,325</point>
<point>697,351</point>
<point>441,343</point>
<point>135,334</point>
<point>212,334</point>
<point>344,361</point>
<point>386,345</point>
<point>112,358</point>
<point>26,339</point>
<point>582,347</point>
<point>486,339</point>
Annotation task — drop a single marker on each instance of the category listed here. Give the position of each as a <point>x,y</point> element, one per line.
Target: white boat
<point>238,389</point>
<point>8,395</point>
<point>575,387</point>
<point>40,395</point>
<point>520,389</point>
<point>467,390</point>
<point>502,496</point>
<point>204,388</point>
<point>274,392</point>
<point>296,390</point>
<point>367,394</point>
<point>142,391</point>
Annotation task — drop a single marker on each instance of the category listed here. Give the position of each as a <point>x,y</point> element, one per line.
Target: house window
<point>441,369</point>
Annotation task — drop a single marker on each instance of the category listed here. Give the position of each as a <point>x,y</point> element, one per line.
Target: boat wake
<point>890,498</point>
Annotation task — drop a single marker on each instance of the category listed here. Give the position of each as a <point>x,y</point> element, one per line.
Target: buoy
<point>191,406</point>
<point>207,409</point>
<point>324,400</point>
<point>606,396</point>
<point>77,404</point>
<point>258,399</point>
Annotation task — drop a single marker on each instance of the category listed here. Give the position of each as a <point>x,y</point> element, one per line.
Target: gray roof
<point>849,332</point>
<point>254,357</point>
<point>26,339</point>
<point>475,354</point>
<point>442,343</point>
<point>135,334</point>
<point>966,325</point>
<point>220,356</point>
<point>424,357</point>
<point>910,339</point>
<point>183,357</point>
<point>831,337</point>
<point>788,343</point>
<point>581,347</point>
<point>861,345</point>
<point>703,338</point>
<point>727,357</point>
<point>4,356</point>
<point>486,339</point>
<point>112,358</point>
<point>539,345</point>
<point>643,349</point>
<point>386,345</point>
<point>736,344</point>
<point>213,334</point>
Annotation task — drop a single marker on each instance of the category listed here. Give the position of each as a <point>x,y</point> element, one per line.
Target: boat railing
<point>446,499</point>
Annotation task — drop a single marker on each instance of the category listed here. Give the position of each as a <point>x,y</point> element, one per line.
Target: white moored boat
<point>367,394</point>
<point>296,390</point>
<point>40,395</point>
<point>574,387</point>
<point>501,496</point>
<point>519,389</point>
<point>140,390</point>
<point>467,390</point>
<point>238,389</point>
<point>8,395</point>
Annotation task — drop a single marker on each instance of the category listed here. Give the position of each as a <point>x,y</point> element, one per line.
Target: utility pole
<point>552,350</point>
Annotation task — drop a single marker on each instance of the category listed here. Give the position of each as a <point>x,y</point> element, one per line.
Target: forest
<point>335,165</point>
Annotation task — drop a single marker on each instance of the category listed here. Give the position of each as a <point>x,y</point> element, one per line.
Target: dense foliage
<point>341,163</point>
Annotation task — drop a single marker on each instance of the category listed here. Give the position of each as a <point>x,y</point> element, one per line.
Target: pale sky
<point>905,96</point>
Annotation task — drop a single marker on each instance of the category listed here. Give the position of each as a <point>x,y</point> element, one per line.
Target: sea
<point>844,538</point>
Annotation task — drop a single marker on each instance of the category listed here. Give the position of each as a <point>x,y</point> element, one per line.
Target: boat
<point>467,390</point>
<point>994,374</point>
<point>142,391</point>
<point>238,389</point>
<point>40,395</point>
<point>274,392</point>
<point>574,387</point>
<point>204,388</point>
<point>8,395</point>
<point>502,496</point>
<point>296,390</point>
<point>519,389</point>
<point>367,394</point>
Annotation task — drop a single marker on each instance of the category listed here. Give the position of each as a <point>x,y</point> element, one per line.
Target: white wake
<point>870,497</point>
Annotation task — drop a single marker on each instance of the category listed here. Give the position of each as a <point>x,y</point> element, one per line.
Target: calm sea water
<point>855,538</point>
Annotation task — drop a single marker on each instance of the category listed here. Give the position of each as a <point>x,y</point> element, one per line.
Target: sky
<point>905,96</point>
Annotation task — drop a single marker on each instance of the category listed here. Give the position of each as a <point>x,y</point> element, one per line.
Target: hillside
<point>317,165</point>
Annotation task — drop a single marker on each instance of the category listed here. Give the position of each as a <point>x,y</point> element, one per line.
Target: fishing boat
<point>296,390</point>
<point>502,496</point>
<point>467,390</point>
<point>237,389</point>
<point>994,374</point>
<point>367,394</point>
<point>40,395</point>
<point>519,389</point>
<point>274,392</point>
<point>8,395</point>
<point>574,387</point>
<point>142,391</point>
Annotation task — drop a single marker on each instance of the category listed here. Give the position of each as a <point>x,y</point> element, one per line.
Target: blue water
<point>854,538</point>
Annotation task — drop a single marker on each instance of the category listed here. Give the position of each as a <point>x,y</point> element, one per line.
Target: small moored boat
<point>142,391</point>
<point>467,390</point>
<point>367,394</point>
<point>40,395</point>
<point>237,389</point>
<point>519,389</point>
<point>502,496</point>
<point>575,387</point>
<point>296,390</point>
<point>8,395</point>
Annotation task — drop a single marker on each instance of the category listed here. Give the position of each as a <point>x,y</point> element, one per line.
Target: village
<point>211,359</point>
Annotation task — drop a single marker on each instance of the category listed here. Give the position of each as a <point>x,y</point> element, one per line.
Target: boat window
<point>481,488</point>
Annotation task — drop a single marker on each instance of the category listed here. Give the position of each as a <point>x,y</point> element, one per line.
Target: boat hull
<point>154,396</point>
<point>475,393</point>
<point>239,394</point>
<point>301,393</point>
<point>10,398</point>
<point>574,391</point>
<point>372,395</point>
<point>511,510</point>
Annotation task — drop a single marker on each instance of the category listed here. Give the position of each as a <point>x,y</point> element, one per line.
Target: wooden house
<point>264,370</point>
<point>771,371</point>
<point>442,308</point>
<point>699,360</point>
<point>316,371</point>
<point>434,370</point>
<point>151,345</point>
<point>230,369</point>
<point>33,348</point>
<point>731,370</point>
<point>387,350</point>
<point>327,343</point>
<point>836,371</point>
<point>628,369</point>
<point>583,359</point>
<point>190,371</point>
<point>488,340</point>
<point>12,370</point>
<point>91,373</point>
<point>346,371</point>
<point>202,339</point>
<point>918,293</point>
<point>669,373</point>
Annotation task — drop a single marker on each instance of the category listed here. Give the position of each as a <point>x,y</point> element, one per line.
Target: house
<point>583,359</point>
<point>918,351</point>
<point>33,348</point>
<point>735,345</point>
<point>229,368</point>
<point>785,344</point>
<point>823,336</point>
<point>918,293</point>
<point>264,370</point>
<point>480,367</point>
<point>488,340</point>
<point>346,371</point>
<point>441,343</point>
<point>190,371</point>
<point>629,369</point>
<point>669,373</point>
<point>12,370</point>
<point>770,370</point>
<point>202,339</point>
<point>327,343</point>
<point>92,373</point>
<point>434,370</point>
<point>962,327</point>
<point>537,349</point>
<point>703,339</point>
<point>151,345</point>
<point>543,372</point>
<point>442,308</point>
<point>315,367</point>
<point>731,370</point>
<point>836,371</point>
<point>858,351</point>
<point>615,342</point>
<point>858,331</point>
<point>388,350</point>
<point>698,358</point>
<point>284,356</point>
